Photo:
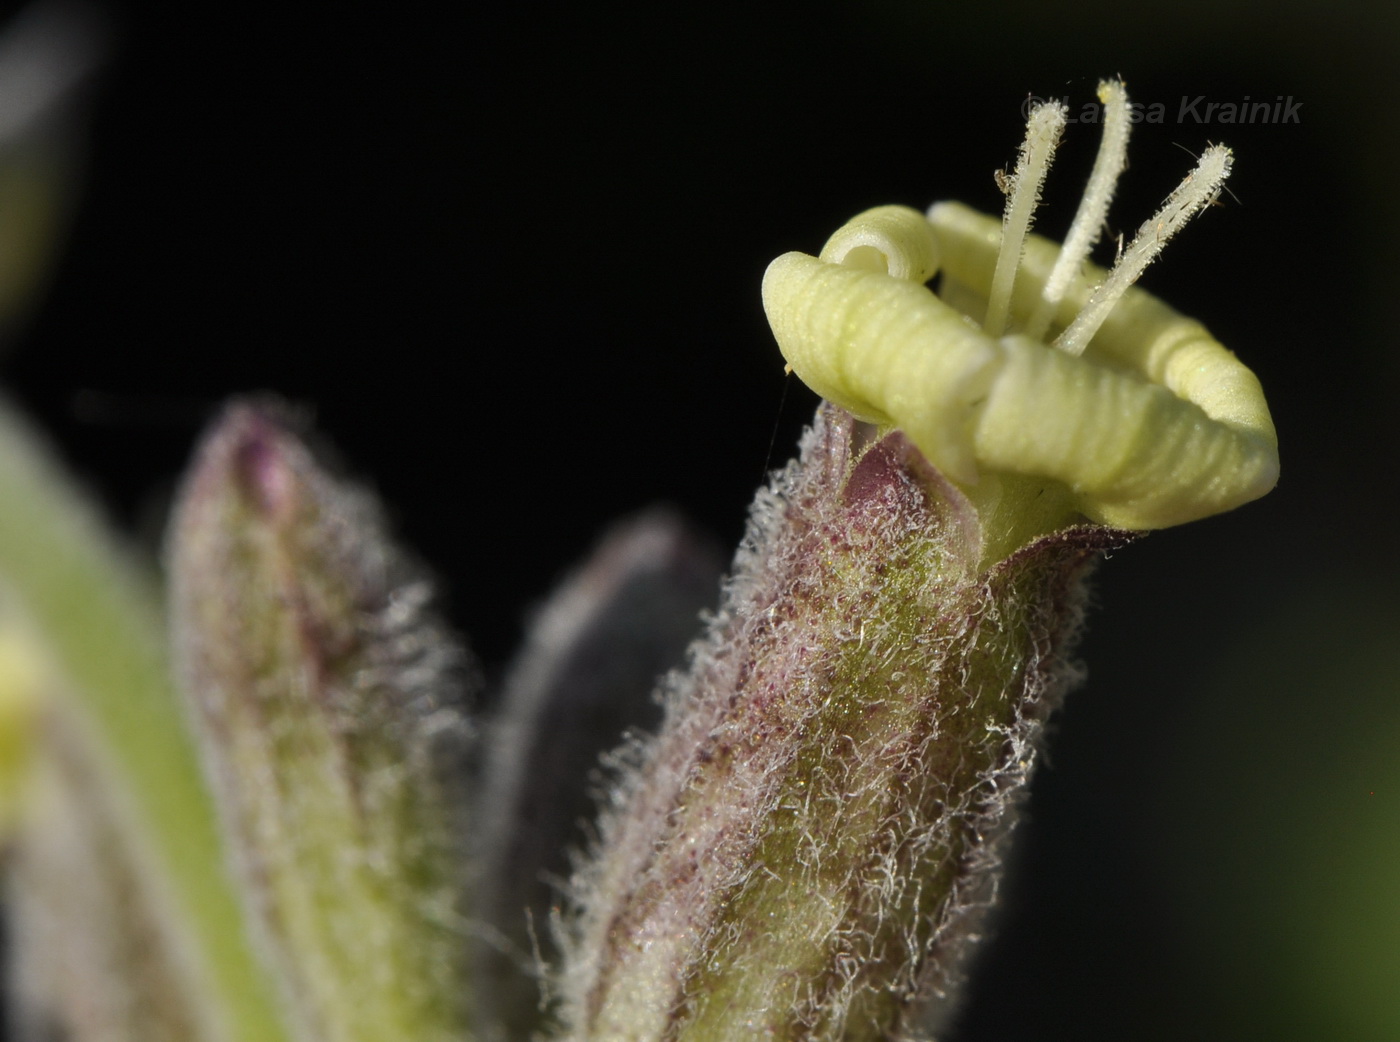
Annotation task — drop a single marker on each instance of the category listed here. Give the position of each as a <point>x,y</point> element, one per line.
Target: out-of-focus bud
<point>587,675</point>
<point>331,706</point>
<point>98,954</point>
<point>803,851</point>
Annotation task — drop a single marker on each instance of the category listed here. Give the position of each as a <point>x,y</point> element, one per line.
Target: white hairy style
<point>1043,130</point>
<point>1200,187</point>
<point>1093,207</point>
<point>1141,415</point>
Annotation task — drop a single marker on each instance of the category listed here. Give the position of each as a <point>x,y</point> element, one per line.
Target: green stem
<point>101,619</point>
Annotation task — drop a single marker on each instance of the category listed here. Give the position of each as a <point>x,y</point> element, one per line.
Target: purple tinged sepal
<point>805,849</point>
<point>331,707</point>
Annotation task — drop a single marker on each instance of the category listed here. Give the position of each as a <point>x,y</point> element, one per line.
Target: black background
<point>511,260</point>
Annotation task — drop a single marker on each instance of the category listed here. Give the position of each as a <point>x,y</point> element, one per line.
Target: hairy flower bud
<point>585,676</point>
<point>801,852</point>
<point>330,704</point>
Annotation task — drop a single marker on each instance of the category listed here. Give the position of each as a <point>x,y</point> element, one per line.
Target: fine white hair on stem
<point>1199,188</point>
<point>1043,129</point>
<point>1093,207</point>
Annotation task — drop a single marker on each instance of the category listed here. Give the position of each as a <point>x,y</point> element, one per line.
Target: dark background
<point>511,260</point>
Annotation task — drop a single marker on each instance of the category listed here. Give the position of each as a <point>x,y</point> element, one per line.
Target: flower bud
<point>585,676</point>
<point>330,703</point>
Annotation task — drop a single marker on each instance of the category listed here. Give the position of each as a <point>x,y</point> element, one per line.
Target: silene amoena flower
<point>804,850</point>
<point>265,806</point>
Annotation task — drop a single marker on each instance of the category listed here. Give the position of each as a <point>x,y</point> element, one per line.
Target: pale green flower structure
<point>1140,420</point>
<point>256,807</point>
<point>804,850</point>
